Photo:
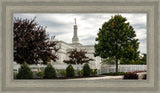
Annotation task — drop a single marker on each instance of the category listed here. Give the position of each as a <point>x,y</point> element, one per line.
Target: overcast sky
<point>61,25</point>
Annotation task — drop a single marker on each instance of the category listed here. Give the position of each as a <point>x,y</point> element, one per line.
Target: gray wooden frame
<point>9,7</point>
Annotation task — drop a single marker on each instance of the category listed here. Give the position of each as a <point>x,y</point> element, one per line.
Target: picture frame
<point>151,7</point>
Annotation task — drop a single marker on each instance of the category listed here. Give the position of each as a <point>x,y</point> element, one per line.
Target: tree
<point>24,72</point>
<point>31,43</point>
<point>110,61</point>
<point>126,61</point>
<point>116,39</point>
<point>77,57</point>
<point>139,61</point>
<point>50,72</point>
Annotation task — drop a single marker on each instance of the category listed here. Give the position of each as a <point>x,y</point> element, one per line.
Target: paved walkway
<point>108,77</point>
<point>100,78</point>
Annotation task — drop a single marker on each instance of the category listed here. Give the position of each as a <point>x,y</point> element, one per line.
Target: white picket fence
<point>122,68</point>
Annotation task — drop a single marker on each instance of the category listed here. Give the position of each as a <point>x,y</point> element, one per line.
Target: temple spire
<point>75,36</point>
<point>75,20</point>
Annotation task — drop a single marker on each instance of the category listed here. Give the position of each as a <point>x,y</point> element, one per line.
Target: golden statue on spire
<point>75,20</point>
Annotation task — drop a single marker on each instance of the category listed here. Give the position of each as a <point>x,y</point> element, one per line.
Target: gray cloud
<point>51,23</point>
<point>61,25</point>
<point>139,26</point>
<point>89,38</point>
<point>57,33</point>
<point>143,40</point>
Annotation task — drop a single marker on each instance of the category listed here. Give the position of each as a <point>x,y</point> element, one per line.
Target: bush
<point>40,74</point>
<point>80,73</point>
<point>86,70</point>
<point>63,73</point>
<point>50,72</point>
<point>24,72</point>
<point>93,72</point>
<point>70,71</point>
<point>130,76</point>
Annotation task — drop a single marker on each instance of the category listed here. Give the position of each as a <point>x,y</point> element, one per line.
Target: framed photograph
<point>80,46</point>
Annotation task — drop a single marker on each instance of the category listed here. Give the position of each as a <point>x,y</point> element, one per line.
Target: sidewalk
<point>100,78</point>
<point>108,77</point>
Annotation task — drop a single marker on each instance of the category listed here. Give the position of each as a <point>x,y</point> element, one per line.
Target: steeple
<point>75,20</point>
<point>75,37</point>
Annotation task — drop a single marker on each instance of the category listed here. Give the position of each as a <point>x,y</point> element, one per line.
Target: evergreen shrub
<point>86,70</point>
<point>24,72</point>
<point>50,72</point>
<point>70,71</point>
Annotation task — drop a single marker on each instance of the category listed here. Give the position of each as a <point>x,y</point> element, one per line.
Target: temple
<point>65,47</point>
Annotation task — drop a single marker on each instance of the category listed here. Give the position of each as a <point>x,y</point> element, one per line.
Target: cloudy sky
<point>61,25</point>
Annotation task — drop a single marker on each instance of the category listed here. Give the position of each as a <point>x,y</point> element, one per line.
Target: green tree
<point>116,39</point>
<point>50,72</point>
<point>24,72</point>
<point>140,61</point>
<point>109,61</point>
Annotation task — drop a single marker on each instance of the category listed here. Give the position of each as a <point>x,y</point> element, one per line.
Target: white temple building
<point>65,47</point>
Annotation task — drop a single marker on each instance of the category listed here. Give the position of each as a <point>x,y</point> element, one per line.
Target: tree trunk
<point>116,66</point>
